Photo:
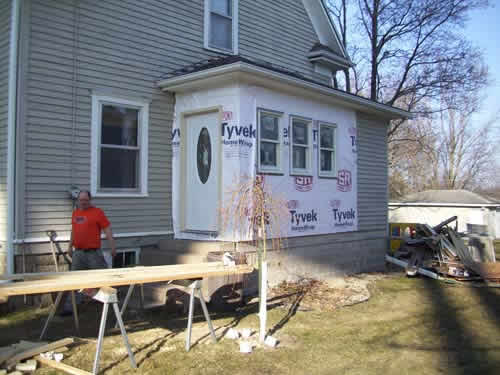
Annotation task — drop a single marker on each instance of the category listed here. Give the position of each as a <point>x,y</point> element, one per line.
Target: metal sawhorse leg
<point>53,312</point>
<point>194,289</point>
<point>106,296</point>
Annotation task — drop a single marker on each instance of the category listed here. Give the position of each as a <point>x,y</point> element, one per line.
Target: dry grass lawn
<point>408,326</point>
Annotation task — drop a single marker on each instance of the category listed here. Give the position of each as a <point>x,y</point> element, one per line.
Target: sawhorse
<point>193,288</point>
<point>106,296</point>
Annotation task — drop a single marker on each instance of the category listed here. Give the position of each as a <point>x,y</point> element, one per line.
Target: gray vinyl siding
<point>372,173</point>
<point>5,13</point>
<point>279,32</point>
<point>123,48</point>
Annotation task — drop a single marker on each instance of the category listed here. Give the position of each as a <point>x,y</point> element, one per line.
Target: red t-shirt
<point>87,225</point>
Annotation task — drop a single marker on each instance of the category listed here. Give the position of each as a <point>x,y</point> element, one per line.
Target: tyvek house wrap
<point>315,205</point>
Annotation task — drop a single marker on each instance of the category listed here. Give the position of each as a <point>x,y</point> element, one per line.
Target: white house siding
<point>5,13</point>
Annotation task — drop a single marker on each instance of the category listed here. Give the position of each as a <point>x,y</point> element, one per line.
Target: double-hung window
<point>301,146</point>
<point>269,141</point>
<point>221,25</point>
<point>119,147</point>
<point>326,162</point>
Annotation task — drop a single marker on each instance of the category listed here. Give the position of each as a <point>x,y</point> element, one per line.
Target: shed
<point>475,213</point>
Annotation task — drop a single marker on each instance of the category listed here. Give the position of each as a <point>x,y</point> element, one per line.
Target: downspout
<point>11,132</point>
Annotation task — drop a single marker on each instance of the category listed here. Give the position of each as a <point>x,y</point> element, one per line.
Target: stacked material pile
<point>440,252</point>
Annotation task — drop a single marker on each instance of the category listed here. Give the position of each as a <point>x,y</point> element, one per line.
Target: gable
<point>324,27</point>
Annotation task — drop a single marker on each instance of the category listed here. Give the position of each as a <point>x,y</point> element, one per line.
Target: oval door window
<point>204,155</point>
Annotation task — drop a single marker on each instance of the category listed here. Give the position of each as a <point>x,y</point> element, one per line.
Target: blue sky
<point>483,29</point>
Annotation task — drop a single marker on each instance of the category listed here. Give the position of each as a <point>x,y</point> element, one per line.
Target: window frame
<point>122,252</point>
<point>142,143</point>
<point>234,28</point>
<point>279,158</point>
<point>308,171</point>
<point>333,173</point>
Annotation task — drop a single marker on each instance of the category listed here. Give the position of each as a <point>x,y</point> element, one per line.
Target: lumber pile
<point>440,252</point>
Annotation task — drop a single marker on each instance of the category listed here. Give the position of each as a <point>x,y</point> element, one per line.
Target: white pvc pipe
<point>11,132</point>
<point>421,271</point>
<point>34,240</point>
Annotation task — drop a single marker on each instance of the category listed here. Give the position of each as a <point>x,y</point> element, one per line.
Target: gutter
<point>11,132</point>
<point>458,205</point>
<point>32,240</point>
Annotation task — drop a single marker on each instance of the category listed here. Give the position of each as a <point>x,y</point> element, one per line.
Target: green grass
<point>409,326</point>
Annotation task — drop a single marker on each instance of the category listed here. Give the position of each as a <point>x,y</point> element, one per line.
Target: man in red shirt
<point>87,222</point>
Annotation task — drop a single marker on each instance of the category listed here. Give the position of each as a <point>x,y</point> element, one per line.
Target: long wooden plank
<point>76,280</point>
<point>39,349</point>
<point>62,366</point>
<point>50,275</point>
<point>118,272</point>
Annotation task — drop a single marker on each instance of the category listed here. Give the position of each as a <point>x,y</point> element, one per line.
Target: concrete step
<point>158,258</point>
<point>193,247</point>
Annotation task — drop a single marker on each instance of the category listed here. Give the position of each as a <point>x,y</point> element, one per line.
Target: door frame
<point>217,156</point>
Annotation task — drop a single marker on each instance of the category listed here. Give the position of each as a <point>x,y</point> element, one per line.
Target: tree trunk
<point>374,47</point>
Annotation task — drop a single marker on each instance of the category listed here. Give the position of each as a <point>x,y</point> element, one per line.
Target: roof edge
<point>420,204</point>
<point>182,82</point>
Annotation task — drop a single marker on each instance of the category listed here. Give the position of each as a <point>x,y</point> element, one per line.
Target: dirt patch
<point>329,295</point>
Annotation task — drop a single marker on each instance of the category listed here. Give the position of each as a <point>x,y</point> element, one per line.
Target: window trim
<point>308,171</point>
<point>206,29</point>
<point>279,153</point>
<point>136,250</point>
<point>333,173</point>
<point>142,140</point>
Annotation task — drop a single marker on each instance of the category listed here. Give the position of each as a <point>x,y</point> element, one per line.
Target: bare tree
<point>416,51</point>
<point>465,152</point>
<point>339,10</point>
<point>253,212</point>
<point>445,151</point>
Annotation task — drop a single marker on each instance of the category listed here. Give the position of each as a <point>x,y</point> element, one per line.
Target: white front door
<point>202,159</point>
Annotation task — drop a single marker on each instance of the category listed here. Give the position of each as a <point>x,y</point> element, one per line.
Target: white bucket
<point>245,347</point>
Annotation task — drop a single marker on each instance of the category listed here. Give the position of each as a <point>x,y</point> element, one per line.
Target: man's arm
<point>111,240</point>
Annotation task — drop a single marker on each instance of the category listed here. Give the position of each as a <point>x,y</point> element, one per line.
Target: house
<point>155,106</point>
<point>475,213</point>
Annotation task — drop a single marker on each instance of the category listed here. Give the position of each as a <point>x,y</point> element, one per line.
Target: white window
<point>301,146</point>
<point>269,145</point>
<point>221,25</point>
<point>326,162</point>
<point>119,147</point>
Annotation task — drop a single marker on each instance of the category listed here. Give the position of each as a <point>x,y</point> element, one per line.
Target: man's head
<point>84,198</point>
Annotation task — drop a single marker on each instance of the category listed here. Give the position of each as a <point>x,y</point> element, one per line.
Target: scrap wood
<point>10,351</point>
<point>487,270</point>
<point>28,366</point>
<point>62,366</point>
<point>37,350</point>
